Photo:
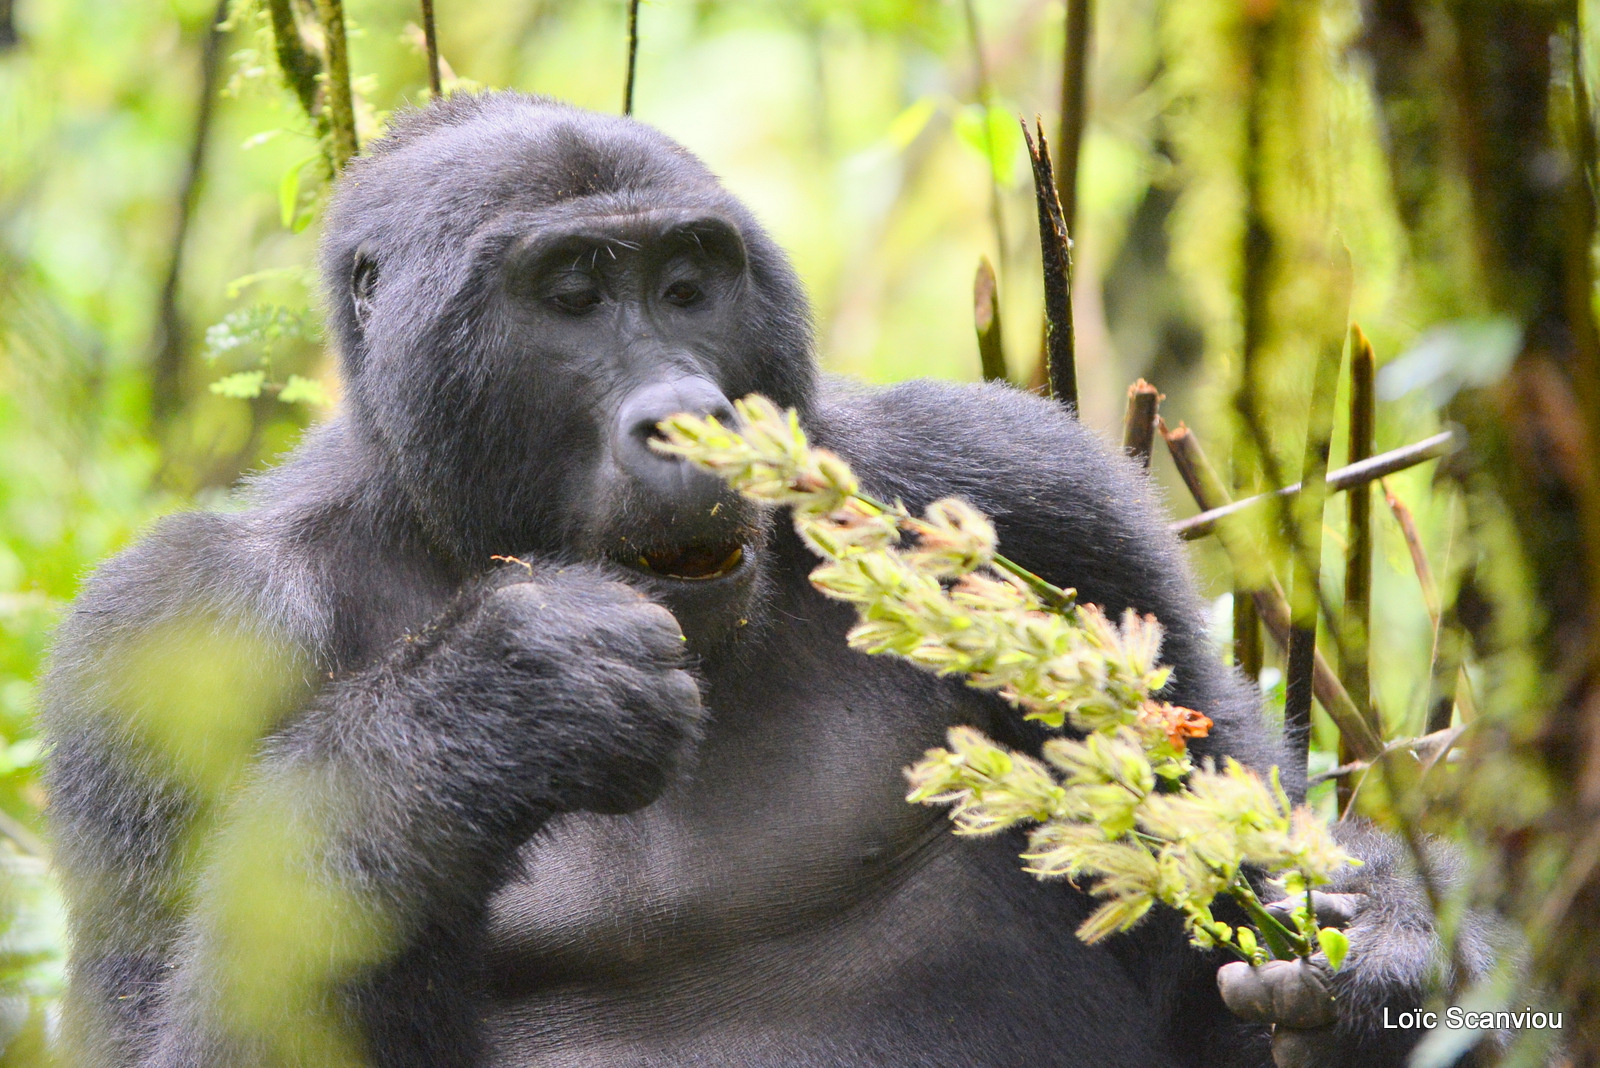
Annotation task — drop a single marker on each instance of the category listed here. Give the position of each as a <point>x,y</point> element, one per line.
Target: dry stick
<point>1307,518</point>
<point>1344,478</point>
<point>341,105</point>
<point>1074,107</point>
<point>1358,548</point>
<point>986,316</point>
<point>633,55</point>
<point>1207,489</point>
<point>431,40</point>
<point>986,98</point>
<point>1056,254</point>
<point>1139,421</point>
<point>167,347</point>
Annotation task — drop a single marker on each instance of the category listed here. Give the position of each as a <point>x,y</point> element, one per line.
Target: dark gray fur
<point>760,894</point>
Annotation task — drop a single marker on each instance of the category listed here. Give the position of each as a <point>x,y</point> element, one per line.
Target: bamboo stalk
<point>1056,253</point>
<point>1306,565</point>
<point>1139,421</point>
<point>986,316</point>
<point>986,99</point>
<point>1357,618</point>
<point>1359,474</point>
<point>1074,107</point>
<point>1207,489</point>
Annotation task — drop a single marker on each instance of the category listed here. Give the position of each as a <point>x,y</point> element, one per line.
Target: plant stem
<point>633,56</point>
<point>1358,547</point>
<point>986,316</point>
<point>1056,251</point>
<point>1306,530</point>
<point>342,140</point>
<point>1369,470</point>
<point>1074,106</point>
<point>299,65</point>
<point>431,40</point>
<point>986,99</point>
<point>1283,942</point>
<point>1139,421</point>
<point>1062,600</point>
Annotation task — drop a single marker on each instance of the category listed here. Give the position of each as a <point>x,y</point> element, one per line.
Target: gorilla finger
<point>1333,910</point>
<point>1305,1047</point>
<point>1289,992</point>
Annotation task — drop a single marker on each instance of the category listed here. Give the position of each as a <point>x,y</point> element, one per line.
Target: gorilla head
<point>511,342</point>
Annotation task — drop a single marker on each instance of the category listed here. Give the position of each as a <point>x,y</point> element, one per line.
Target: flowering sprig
<point>1125,805</point>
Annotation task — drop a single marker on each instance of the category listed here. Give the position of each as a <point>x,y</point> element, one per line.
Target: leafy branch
<point>1124,805</point>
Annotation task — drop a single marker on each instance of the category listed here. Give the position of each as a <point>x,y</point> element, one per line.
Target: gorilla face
<point>529,290</point>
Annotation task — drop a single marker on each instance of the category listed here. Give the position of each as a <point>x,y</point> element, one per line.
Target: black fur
<point>411,748</point>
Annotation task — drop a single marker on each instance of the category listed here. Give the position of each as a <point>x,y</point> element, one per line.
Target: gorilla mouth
<point>695,563</point>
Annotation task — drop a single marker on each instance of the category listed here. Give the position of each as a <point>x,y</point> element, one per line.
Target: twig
<point>341,105</point>
<point>1056,253</point>
<point>633,56</point>
<point>1074,107</point>
<point>1139,421</point>
<point>1344,478</point>
<point>986,316</point>
<point>986,99</point>
<point>1430,747</point>
<point>167,347</point>
<point>1358,546</point>
<point>431,41</point>
<point>1307,563</point>
<point>1419,556</point>
<point>1273,608</point>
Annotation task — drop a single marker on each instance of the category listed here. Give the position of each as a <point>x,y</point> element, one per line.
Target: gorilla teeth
<point>694,562</point>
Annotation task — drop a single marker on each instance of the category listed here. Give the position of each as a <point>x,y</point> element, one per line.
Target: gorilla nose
<point>642,413</point>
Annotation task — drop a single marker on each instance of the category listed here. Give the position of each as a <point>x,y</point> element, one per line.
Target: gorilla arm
<point>349,844</point>
<point>1067,508</point>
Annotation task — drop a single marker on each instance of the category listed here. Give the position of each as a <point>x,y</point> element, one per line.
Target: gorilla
<point>479,733</point>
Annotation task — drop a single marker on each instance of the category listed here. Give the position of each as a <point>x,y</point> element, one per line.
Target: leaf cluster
<point>1122,805</point>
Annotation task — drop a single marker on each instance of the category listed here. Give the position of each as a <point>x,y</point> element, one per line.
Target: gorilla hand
<point>1294,997</point>
<point>611,707</point>
<point>1335,1019</point>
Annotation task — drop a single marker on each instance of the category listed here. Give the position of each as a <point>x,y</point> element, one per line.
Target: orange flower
<point>1177,723</point>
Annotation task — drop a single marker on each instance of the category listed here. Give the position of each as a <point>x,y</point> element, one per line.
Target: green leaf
<point>289,193</point>
<point>300,390</point>
<point>244,385</point>
<point>995,135</point>
<point>910,123</point>
<point>1335,945</point>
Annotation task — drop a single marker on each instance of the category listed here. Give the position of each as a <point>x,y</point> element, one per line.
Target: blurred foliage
<point>854,130</point>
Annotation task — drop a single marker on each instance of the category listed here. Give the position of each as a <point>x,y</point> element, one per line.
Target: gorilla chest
<point>791,813</point>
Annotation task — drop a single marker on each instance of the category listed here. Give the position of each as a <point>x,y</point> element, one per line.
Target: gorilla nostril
<point>642,413</point>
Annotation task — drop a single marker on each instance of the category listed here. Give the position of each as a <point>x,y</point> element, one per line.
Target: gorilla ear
<point>363,287</point>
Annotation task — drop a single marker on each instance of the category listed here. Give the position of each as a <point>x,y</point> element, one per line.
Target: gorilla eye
<point>683,293</point>
<point>577,301</point>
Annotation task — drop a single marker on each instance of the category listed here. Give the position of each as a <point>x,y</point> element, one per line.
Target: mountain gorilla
<point>484,735</point>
